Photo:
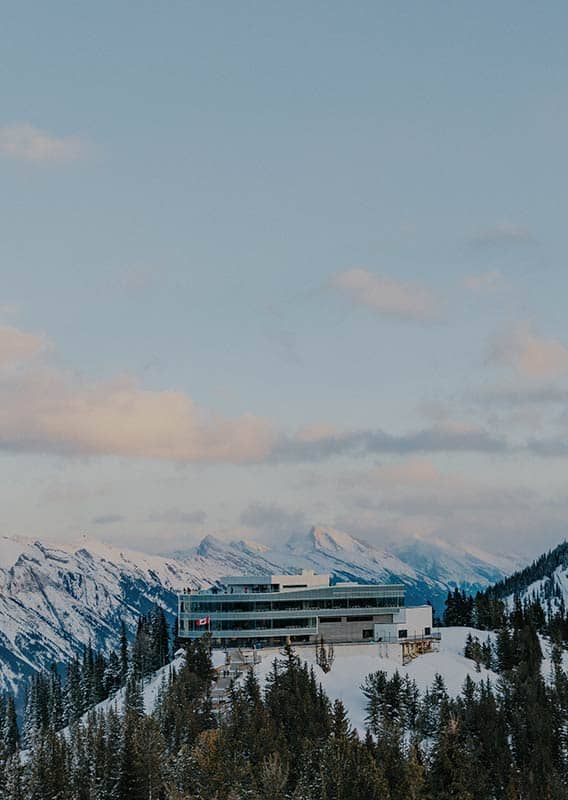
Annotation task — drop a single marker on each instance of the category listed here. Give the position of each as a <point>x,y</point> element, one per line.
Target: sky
<point>267,265</point>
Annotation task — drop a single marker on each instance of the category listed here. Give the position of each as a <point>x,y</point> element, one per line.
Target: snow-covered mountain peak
<point>250,546</point>
<point>12,547</point>
<point>325,539</point>
<point>210,545</point>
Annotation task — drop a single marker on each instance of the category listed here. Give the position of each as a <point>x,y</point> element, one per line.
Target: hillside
<point>545,580</point>
<point>54,598</point>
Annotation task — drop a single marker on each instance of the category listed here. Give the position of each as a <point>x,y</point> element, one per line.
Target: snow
<point>536,590</point>
<point>354,662</point>
<point>54,598</point>
<point>150,689</point>
<point>11,547</point>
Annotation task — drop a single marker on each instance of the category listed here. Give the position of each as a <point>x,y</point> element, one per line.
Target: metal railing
<point>433,635</point>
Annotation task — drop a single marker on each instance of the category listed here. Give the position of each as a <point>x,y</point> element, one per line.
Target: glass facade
<point>260,615</point>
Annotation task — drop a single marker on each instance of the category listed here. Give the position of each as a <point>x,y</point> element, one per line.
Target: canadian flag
<point>203,621</point>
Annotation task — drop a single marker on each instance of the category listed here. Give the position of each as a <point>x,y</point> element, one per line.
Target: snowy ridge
<point>54,598</point>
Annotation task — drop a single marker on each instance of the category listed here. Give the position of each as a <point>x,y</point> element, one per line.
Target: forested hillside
<point>287,738</point>
<point>546,580</point>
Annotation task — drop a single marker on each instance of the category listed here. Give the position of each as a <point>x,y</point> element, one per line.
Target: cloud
<point>273,520</point>
<point>108,519</point>
<point>17,346</point>
<point>175,516</point>
<point>484,281</point>
<point>414,472</point>
<point>455,506</point>
<point>449,438</point>
<point>502,234</point>
<point>529,354</point>
<point>387,297</point>
<point>50,411</point>
<point>45,409</point>
<point>23,142</point>
<point>517,393</point>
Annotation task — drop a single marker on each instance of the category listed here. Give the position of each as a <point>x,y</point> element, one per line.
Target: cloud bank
<point>46,409</point>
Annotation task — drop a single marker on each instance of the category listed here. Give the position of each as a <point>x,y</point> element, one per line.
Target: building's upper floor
<point>306,579</point>
<point>271,594</point>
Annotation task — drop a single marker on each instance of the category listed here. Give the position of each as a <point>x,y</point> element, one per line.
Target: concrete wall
<point>349,630</point>
<point>415,620</point>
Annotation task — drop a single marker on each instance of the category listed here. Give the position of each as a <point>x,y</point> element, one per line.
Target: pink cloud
<point>17,346</point>
<point>528,353</point>
<point>26,143</point>
<point>387,297</point>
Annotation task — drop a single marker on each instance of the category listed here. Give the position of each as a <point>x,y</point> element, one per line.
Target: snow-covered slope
<point>458,564</point>
<point>354,662</point>
<point>55,598</point>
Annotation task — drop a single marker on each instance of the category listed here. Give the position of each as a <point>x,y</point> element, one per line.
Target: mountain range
<point>54,598</point>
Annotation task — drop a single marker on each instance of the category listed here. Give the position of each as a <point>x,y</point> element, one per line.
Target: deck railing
<point>435,635</point>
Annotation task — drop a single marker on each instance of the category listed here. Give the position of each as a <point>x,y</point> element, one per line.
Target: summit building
<point>274,609</point>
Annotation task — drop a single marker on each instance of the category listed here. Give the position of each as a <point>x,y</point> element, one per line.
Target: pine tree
<point>123,653</point>
<point>10,735</point>
<point>451,774</point>
<point>14,788</point>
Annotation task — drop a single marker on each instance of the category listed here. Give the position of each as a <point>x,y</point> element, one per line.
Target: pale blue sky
<point>215,199</point>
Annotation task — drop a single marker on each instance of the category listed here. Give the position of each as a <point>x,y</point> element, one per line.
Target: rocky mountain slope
<point>56,597</point>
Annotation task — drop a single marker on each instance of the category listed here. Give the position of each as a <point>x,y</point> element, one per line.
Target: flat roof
<point>307,577</point>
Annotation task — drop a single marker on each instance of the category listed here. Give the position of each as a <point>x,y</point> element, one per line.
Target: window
<point>329,619</point>
<point>427,631</point>
<point>367,633</point>
<point>403,634</point>
<point>359,619</point>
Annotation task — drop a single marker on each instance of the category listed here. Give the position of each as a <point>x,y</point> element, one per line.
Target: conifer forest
<point>287,739</point>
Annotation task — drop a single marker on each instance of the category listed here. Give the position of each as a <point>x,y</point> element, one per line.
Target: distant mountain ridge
<point>54,598</point>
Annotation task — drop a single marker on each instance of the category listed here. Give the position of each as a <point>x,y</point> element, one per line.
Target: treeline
<point>54,702</point>
<point>287,741</point>
<point>540,570</point>
<point>486,611</point>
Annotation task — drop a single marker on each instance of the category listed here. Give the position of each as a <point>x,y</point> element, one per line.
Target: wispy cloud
<point>413,472</point>
<point>24,142</point>
<point>108,519</point>
<point>17,346</point>
<point>447,438</point>
<point>502,234</point>
<point>175,516</point>
<point>386,296</point>
<point>272,520</point>
<point>529,354</point>
<point>484,281</point>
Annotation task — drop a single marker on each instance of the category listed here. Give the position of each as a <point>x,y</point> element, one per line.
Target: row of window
<point>248,624</point>
<point>198,605</point>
